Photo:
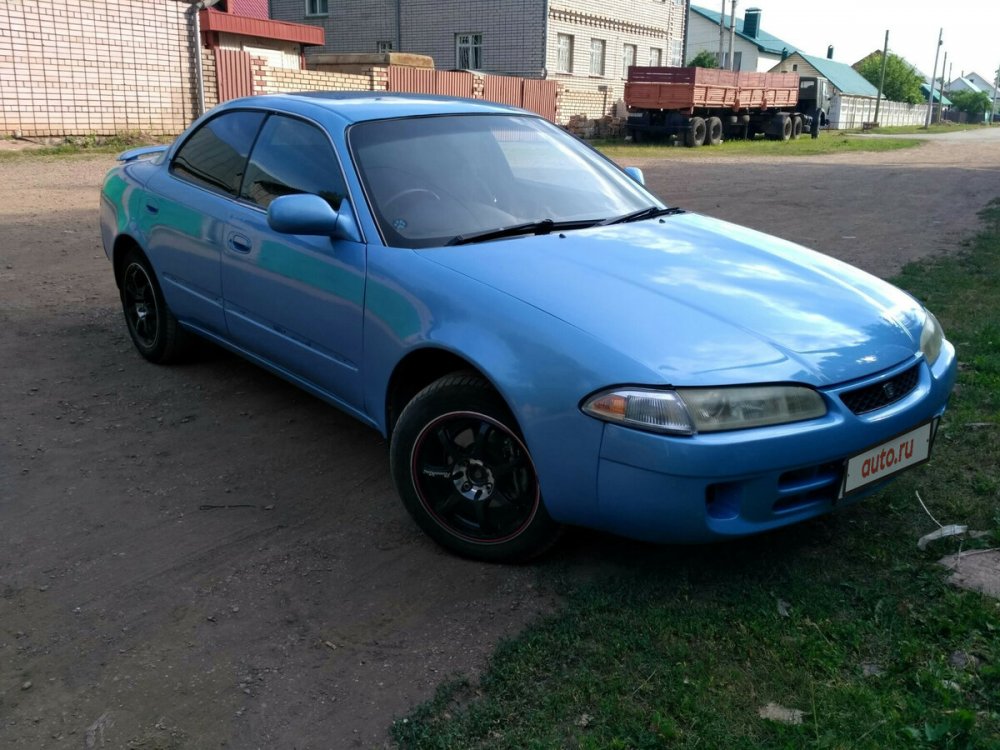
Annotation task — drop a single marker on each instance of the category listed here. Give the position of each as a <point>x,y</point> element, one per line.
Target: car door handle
<point>152,208</point>
<point>239,243</point>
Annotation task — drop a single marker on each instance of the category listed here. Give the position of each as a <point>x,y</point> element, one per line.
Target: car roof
<point>357,106</point>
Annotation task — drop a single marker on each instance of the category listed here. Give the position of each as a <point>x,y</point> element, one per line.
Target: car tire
<point>465,475</point>
<point>152,327</point>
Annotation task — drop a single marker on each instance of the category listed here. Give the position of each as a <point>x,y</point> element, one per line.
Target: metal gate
<point>528,93</point>
<point>540,96</point>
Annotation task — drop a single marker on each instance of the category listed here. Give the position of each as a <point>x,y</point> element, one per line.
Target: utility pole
<point>732,35</point>
<point>881,78</point>
<point>722,33</point>
<point>940,111</point>
<point>930,96</point>
<point>996,86</point>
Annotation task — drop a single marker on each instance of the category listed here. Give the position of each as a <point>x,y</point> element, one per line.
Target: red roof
<point>268,29</point>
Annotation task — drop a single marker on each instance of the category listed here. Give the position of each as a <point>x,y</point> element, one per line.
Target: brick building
<point>76,67</point>
<point>585,44</point>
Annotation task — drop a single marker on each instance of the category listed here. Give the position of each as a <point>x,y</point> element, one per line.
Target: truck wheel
<point>796,127</point>
<point>714,127</point>
<point>695,134</point>
<point>786,128</point>
<point>780,128</point>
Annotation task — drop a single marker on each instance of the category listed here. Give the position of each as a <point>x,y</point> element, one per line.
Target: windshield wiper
<point>545,226</point>
<point>643,213</point>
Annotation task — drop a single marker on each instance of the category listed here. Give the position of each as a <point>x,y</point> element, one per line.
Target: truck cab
<point>815,98</point>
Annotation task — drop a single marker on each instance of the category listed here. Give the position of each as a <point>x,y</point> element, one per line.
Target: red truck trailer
<point>704,106</point>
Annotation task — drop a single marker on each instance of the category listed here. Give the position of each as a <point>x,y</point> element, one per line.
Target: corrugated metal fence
<point>233,73</point>
<point>532,94</point>
<point>426,81</point>
<point>541,97</point>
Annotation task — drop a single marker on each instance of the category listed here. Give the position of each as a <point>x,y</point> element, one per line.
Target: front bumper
<point>721,485</point>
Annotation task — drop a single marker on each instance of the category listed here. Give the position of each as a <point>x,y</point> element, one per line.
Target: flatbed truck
<point>704,106</point>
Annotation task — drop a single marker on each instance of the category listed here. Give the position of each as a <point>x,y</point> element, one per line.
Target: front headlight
<point>686,411</point>
<point>931,338</point>
<point>715,409</point>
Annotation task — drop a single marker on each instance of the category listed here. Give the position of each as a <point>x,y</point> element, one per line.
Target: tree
<point>703,59</point>
<point>902,82</point>
<point>973,103</point>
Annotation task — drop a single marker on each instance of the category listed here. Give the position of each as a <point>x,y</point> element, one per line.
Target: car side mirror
<point>636,174</point>
<point>304,213</point>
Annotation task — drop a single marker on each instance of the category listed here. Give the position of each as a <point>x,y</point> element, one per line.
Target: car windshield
<point>437,180</point>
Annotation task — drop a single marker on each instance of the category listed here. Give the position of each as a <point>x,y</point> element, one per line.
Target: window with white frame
<point>628,58</point>
<point>468,51</point>
<point>655,57</point>
<point>597,47</point>
<point>676,52</point>
<point>564,53</point>
<point>317,7</point>
<point>383,47</point>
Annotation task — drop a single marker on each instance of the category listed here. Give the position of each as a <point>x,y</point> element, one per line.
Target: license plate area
<point>888,458</point>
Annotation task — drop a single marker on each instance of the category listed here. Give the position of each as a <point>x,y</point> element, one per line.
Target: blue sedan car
<point>541,340</point>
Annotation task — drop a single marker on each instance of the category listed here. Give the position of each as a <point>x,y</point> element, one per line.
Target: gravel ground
<point>204,556</point>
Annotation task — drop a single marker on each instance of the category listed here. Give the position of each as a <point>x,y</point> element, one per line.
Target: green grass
<point>827,143</point>
<point>943,127</point>
<point>90,144</point>
<point>680,647</point>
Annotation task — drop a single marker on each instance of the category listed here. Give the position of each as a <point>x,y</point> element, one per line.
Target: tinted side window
<point>215,156</point>
<point>292,156</point>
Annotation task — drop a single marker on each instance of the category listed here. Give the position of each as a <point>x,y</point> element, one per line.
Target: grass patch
<point>943,127</point>
<point>89,144</point>
<point>842,618</point>
<point>827,143</point>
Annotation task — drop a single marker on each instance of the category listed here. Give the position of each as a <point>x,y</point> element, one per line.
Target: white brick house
<point>75,67</point>
<point>586,44</point>
<point>753,48</point>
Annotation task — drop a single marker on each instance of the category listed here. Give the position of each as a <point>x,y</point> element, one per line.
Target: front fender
<point>540,365</point>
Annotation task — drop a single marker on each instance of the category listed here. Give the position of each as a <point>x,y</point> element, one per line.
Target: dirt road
<point>204,556</point>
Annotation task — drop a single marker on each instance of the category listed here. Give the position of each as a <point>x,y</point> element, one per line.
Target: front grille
<point>882,393</point>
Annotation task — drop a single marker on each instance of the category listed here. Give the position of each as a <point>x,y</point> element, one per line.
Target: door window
<point>292,156</point>
<point>215,155</point>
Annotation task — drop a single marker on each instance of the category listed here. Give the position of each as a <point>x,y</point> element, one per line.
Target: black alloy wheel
<point>153,328</point>
<point>465,474</point>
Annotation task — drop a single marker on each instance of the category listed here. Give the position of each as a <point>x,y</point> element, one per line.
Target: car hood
<point>701,301</point>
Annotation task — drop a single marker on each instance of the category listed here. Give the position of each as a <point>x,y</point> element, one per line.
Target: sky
<point>857,27</point>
